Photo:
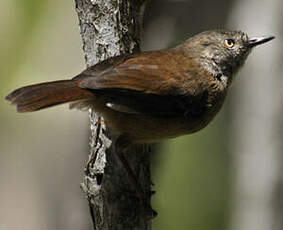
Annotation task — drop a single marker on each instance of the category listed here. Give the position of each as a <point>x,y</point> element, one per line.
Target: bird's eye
<point>229,43</point>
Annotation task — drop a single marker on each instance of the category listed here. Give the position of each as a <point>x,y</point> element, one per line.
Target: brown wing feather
<point>152,72</point>
<point>153,83</point>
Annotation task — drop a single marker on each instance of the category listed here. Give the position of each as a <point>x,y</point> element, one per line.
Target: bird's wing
<point>151,83</point>
<point>149,72</point>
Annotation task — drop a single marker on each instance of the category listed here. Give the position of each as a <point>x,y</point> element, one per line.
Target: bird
<point>152,95</point>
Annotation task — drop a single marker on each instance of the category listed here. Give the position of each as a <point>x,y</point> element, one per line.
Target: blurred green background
<point>196,177</point>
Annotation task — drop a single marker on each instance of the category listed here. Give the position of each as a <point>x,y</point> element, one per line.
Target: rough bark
<point>109,28</point>
<point>255,138</point>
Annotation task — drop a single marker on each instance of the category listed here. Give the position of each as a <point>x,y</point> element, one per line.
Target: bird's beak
<point>260,40</point>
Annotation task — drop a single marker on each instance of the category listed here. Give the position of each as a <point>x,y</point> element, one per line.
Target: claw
<point>150,213</point>
<point>151,193</point>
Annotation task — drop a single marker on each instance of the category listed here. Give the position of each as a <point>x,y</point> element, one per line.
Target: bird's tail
<point>39,96</point>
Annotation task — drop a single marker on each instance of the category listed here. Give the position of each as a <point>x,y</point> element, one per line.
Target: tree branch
<point>109,28</point>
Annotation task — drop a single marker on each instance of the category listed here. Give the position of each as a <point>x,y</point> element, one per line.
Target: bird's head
<point>222,52</point>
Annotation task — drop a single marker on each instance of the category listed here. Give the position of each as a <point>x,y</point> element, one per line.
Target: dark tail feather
<point>35,97</point>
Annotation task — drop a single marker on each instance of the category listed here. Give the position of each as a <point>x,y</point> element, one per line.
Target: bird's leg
<point>120,145</point>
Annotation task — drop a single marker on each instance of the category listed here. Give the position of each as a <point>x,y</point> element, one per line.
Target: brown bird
<point>152,95</point>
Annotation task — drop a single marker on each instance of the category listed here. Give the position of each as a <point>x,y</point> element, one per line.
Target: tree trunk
<point>109,28</point>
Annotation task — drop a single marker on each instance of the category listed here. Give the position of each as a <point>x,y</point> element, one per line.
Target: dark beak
<point>260,40</point>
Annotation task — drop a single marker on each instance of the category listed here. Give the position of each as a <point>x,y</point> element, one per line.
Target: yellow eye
<point>229,43</point>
